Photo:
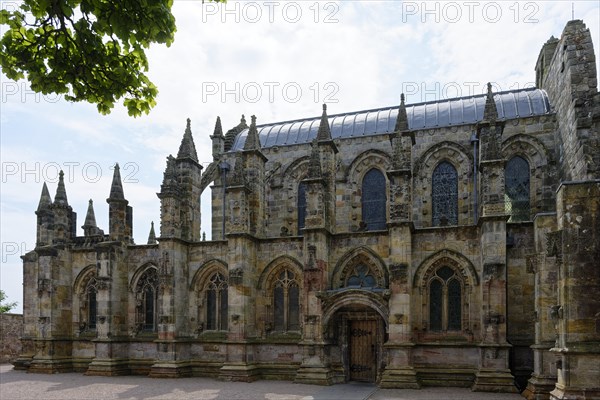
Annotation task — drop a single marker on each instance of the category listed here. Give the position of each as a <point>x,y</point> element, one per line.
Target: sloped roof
<point>434,114</point>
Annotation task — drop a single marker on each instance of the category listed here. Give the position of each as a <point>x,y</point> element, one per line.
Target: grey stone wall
<point>572,84</point>
<point>11,329</point>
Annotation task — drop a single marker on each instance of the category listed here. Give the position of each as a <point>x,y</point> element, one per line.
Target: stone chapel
<point>445,243</point>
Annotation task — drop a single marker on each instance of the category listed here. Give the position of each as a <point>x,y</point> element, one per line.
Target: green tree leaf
<point>89,50</point>
<point>5,307</point>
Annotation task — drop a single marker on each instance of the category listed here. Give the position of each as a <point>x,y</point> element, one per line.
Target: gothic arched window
<point>147,296</point>
<point>88,303</point>
<point>516,178</point>
<point>374,200</point>
<point>286,302</point>
<point>445,301</point>
<point>301,207</point>
<point>444,195</point>
<point>216,303</point>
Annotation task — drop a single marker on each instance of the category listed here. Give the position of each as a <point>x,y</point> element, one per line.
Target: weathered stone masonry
<point>443,243</point>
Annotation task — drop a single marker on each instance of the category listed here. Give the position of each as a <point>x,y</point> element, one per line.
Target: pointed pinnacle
<point>490,112</point>
<point>402,120</point>
<point>252,140</point>
<point>61,193</point>
<point>90,217</point>
<point>152,235</point>
<point>187,149</point>
<point>218,128</point>
<point>45,199</point>
<point>324,132</point>
<point>116,189</point>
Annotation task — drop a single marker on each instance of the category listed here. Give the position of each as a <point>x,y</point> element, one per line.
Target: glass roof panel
<point>458,111</point>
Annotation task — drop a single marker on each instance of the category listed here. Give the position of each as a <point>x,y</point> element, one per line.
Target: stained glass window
<point>445,301</point>
<point>286,302</point>
<point>444,195</point>
<point>374,200</point>
<point>516,178</point>
<point>301,207</point>
<point>216,303</point>
<point>361,277</point>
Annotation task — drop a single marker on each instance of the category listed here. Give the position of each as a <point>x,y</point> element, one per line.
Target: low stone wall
<point>11,329</point>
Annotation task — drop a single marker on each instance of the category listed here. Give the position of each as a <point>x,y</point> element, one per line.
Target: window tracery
<point>445,300</point>
<point>444,194</point>
<point>88,309</point>
<point>146,298</point>
<point>216,293</point>
<point>286,302</point>
<point>361,276</point>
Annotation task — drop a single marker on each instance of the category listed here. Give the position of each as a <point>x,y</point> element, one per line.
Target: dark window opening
<point>435,305</point>
<point>149,309</point>
<point>92,309</point>
<point>301,207</point>
<point>374,200</point>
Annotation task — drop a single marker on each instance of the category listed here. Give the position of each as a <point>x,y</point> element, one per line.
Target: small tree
<point>4,308</point>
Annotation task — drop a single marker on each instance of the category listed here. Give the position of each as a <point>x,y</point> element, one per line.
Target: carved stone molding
<point>399,273</point>
<point>236,277</point>
<point>533,262</point>
<point>493,271</point>
<point>45,285</point>
<point>554,244</point>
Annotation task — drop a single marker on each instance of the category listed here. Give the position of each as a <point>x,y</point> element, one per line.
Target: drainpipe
<point>224,168</point>
<point>474,141</point>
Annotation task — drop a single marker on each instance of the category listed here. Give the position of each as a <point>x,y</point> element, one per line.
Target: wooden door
<point>362,345</point>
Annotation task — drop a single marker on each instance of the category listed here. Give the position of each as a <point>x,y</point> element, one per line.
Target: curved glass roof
<point>434,114</point>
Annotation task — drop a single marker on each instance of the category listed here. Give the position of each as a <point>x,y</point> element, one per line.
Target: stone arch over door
<point>355,322</point>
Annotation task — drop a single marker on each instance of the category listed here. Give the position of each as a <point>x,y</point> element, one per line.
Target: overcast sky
<point>274,59</point>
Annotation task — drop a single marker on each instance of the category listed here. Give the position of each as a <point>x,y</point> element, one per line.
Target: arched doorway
<point>359,332</point>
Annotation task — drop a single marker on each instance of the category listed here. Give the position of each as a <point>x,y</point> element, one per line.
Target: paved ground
<point>21,385</point>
